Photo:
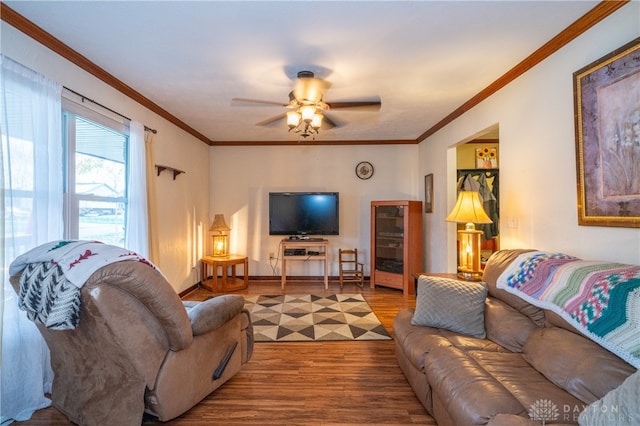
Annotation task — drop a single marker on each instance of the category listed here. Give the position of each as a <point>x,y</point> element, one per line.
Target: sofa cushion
<point>551,319</point>
<point>416,342</point>
<point>468,393</point>
<point>620,406</point>
<point>451,304</point>
<point>506,326</point>
<point>469,343</point>
<point>575,363</point>
<point>527,385</point>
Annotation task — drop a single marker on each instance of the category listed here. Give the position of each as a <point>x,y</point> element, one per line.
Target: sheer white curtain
<point>137,235</point>
<point>152,202</point>
<point>31,184</point>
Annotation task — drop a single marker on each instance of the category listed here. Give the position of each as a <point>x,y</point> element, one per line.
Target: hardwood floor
<point>310,383</point>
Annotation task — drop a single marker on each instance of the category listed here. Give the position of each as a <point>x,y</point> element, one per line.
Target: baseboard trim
<point>296,278</point>
<point>290,277</point>
<point>194,287</point>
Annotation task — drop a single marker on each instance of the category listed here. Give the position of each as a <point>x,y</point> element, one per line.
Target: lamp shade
<point>293,119</point>
<point>468,209</point>
<point>220,235</point>
<point>316,121</point>
<point>219,224</point>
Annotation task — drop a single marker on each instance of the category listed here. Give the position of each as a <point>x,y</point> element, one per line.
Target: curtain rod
<point>84,98</point>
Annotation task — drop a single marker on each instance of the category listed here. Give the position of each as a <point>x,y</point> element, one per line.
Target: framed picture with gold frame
<point>607,123</point>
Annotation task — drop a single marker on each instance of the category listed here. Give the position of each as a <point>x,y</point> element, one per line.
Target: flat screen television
<point>303,213</point>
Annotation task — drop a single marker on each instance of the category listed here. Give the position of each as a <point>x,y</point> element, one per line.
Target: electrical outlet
<point>272,255</point>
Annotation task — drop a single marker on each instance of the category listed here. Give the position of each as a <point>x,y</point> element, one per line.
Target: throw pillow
<point>618,407</point>
<point>451,304</point>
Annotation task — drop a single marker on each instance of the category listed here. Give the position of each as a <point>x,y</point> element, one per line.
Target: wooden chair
<point>351,271</point>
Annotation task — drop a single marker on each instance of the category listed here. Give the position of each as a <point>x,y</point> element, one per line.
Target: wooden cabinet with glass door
<point>396,243</point>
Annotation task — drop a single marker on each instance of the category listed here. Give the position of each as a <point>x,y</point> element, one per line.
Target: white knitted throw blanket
<point>55,272</point>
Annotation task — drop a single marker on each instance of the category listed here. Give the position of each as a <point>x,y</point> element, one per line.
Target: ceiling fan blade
<point>254,102</point>
<point>368,105</point>
<point>328,123</point>
<point>272,120</point>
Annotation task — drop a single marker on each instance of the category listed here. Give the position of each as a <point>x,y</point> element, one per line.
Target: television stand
<point>304,238</point>
<point>313,249</point>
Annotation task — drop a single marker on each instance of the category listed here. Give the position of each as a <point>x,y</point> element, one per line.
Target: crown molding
<point>315,142</point>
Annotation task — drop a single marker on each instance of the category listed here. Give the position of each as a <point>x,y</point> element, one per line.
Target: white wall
<point>535,115</point>
<point>242,177</point>
<point>184,203</point>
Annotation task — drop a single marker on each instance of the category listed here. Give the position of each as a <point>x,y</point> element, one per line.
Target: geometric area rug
<point>309,318</point>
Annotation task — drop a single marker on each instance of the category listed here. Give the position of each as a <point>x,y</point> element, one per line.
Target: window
<point>96,170</point>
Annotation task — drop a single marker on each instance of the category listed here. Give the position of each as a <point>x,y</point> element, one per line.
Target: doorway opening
<point>478,169</point>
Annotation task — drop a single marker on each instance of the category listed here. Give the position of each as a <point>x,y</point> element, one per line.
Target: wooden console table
<point>314,249</point>
<point>227,282</point>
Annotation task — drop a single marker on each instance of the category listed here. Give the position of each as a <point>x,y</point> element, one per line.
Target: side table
<point>227,281</point>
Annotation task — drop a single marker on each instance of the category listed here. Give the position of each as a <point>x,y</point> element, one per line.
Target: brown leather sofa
<point>530,360</point>
<point>138,348</point>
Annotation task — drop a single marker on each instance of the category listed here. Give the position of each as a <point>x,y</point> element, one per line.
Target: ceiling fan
<point>306,109</point>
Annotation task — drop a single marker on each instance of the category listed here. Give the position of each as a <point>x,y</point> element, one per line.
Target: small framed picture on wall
<point>428,193</point>
<point>486,158</point>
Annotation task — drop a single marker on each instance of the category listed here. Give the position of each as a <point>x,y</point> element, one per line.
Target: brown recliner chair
<point>138,348</point>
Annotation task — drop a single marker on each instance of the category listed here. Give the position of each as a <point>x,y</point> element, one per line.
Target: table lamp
<point>468,210</point>
<point>220,230</point>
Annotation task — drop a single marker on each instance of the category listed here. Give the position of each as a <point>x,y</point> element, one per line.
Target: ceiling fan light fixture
<point>305,121</point>
<point>307,112</point>
<point>316,121</point>
<point>306,108</point>
<point>293,119</point>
